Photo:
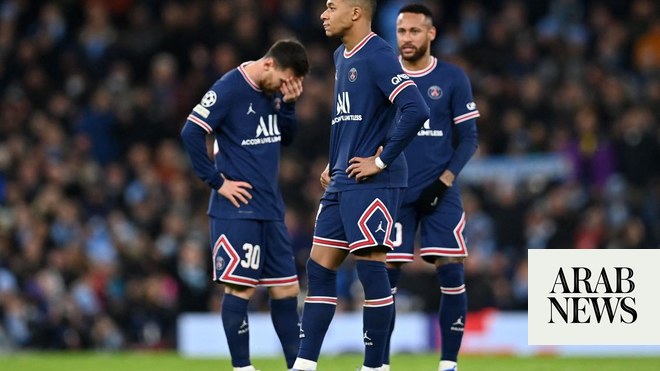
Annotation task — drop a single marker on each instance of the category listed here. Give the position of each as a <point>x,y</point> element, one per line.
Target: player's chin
<point>408,55</point>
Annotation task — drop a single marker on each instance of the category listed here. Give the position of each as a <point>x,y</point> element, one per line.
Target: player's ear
<point>269,63</point>
<point>356,13</point>
<point>432,33</point>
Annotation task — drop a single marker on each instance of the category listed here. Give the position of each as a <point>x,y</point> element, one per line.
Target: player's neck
<point>355,34</point>
<point>417,65</point>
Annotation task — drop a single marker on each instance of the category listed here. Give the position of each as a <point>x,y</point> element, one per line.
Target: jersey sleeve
<point>288,124</point>
<point>401,90</point>
<point>206,117</point>
<point>463,106</point>
<point>209,113</point>
<point>464,114</point>
<point>388,75</point>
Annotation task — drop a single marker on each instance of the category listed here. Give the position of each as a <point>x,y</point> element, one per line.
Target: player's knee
<point>394,265</point>
<point>444,260</point>
<point>283,292</point>
<point>244,292</point>
<point>328,258</point>
<point>376,253</point>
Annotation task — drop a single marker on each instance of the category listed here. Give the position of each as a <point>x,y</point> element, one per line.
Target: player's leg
<point>368,218</point>
<point>236,324</point>
<point>328,252</point>
<point>443,244</point>
<point>453,309</point>
<point>237,264</point>
<point>279,275</point>
<point>404,246</point>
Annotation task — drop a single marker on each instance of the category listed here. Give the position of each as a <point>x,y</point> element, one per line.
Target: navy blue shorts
<point>441,232</point>
<point>252,252</point>
<point>357,219</point>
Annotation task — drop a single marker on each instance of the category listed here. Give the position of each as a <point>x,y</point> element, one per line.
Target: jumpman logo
<point>459,322</point>
<point>251,110</point>
<point>365,337</point>
<point>380,227</point>
<point>244,327</point>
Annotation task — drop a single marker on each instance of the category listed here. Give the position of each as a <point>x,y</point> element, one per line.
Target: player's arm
<point>465,130</point>
<point>288,125</point>
<point>465,125</point>
<point>402,91</point>
<point>199,124</point>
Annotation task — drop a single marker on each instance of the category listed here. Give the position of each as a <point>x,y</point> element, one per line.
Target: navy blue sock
<point>453,309</point>
<point>320,305</point>
<point>377,313</point>
<point>284,313</point>
<point>235,322</point>
<point>393,274</point>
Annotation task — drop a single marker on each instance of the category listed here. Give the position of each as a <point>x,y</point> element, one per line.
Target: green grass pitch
<point>173,362</point>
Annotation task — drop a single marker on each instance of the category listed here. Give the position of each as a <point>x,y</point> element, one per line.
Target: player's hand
<point>236,191</point>
<point>291,89</point>
<point>325,177</point>
<point>431,197</point>
<point>361,168</point>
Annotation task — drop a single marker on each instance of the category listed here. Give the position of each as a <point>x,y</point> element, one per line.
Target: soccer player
<point>366,174</point>
<point>251,112</point>
<point>435,157</point>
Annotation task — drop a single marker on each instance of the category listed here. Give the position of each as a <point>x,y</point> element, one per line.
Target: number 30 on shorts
<point>252,255</point>
<point>398,234</point>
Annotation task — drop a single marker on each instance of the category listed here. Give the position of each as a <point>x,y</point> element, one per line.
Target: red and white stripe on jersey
<point>461,250</point>
<point>247,78</point>
<point>321,300</point>
<point>282,281</point>
<point>369,239</point>
<point>453,290</point>
<point>423,72</point>
<point>234,259</point>
<point>466,116</point>
<point>399,88</point>
<point>201,123</point>
<point>400,257</point>
<point>327,242</point>
<point>359,46</point>
<point>382,302</point>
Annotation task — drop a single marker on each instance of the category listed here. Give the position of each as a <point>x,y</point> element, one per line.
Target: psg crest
<point>219,262</point>
<point>352,75</point>
<point>434,92</point>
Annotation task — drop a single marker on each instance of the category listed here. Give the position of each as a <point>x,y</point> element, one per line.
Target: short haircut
<point>417,9</point>
<point>369,6</point>
<point>290,53</point>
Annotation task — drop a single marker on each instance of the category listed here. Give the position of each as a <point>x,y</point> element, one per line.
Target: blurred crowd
<point>103,231</point>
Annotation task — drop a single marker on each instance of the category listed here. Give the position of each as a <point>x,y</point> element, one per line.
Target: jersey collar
<point>359,46</point>
<point>247,78</point>
<point>424,71</point>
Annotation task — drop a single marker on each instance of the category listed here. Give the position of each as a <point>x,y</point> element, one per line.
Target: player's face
<point>414,35</point>
<point>337,17</point>
<point>274,79</point>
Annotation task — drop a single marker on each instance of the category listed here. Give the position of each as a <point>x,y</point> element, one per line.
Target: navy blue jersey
<point>249,126</point>
<point>368,81</point>
<point>449,138</point>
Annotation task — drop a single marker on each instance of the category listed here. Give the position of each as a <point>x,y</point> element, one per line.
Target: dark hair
<point>417,9</point>
<point>290,53</point>
<point>369,6</point>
